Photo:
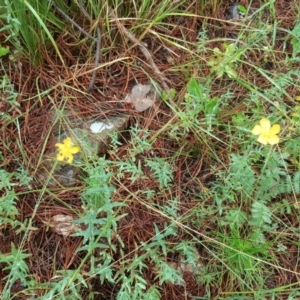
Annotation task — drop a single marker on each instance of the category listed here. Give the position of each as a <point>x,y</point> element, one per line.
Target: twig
<point>98,47</point>
<point>73,23</point>
<point>146,53</point>
<point>97,60</point>
<point>97,40</point>
<point>83,9</point>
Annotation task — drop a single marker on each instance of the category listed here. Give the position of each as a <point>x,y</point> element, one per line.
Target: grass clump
<point>196,197</point>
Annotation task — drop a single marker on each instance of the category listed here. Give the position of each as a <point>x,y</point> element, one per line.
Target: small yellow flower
<point>66,150</point>
<point>266,133</point>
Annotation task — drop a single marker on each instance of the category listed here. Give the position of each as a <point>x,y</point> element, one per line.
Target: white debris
<point>98,127</point>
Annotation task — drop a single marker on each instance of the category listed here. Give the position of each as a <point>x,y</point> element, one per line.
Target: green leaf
<point>168,274</point>
<point>212,106</point>
<point>161,171</point>
<point>261,215</point>
<point>165,96</point>
<point>230,71</point>
<point>153,294</point>
<point>296,40</point>
<point>194,89</point>
<point>3,50</point>
<point>242,9</point>
<point>236,218</point>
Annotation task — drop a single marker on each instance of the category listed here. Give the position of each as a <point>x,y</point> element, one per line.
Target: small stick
<point>97,40</point>
<point>146,53</point>
<point>97,60</point>
<point>98,47</point>
<point>73,23</point>
<point>83,10</point>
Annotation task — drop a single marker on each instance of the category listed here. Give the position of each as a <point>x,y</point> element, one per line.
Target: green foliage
<point>130,276</point>
<point>252,191</point>
<point>294,295</point>
<point>165,273</point>
<point>3,50</point>
<point>296,40</point>
<point>132,167</point>
<point>97,199</point>
<point>134,285</point>
<point>10,97</point>
<point>234,218</point>
<point>225,62</point>
<point>67,286</point>
<point>8,199</point>
<point>98,190</point>
<point>198,108</point>
<point>97,227</point>
<point>292,146</point>
<point>241,256</point>
<point>242,9</point>
<point>153,294</point>
<point>100,219</point>
<point>165,96</point>
<point>261,215</point>
<point>161,171</point>
<point>139,140</point>
<point>26,26</point>
<point>14,262</point>
<point>8,209</point>
<point>190,255</point>
<point>197,99</point>
<point>241,182</point>
<point>171,208</point>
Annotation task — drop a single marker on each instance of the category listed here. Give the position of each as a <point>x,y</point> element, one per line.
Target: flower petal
<point>60,156</point>
<point>257,130</point>
<point>67,142</point>
<point>262,139</point>
<point>275,129</point>
<point>60,145</point>
<point>273,139</point>
<point>66,150</point>
<point>74,150</point>
<point>69,157</point>
<point>265,124</point>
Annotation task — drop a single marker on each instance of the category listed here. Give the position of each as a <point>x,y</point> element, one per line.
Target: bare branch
<point>97,40</point>
<point>146,53</point>
<point>97,59</point>
<point>73,23</point>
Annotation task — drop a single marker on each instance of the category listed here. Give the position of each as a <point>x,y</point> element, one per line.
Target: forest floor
<point>185,203</point>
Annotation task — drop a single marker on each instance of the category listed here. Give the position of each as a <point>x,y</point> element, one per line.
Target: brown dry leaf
<point>62,224</point>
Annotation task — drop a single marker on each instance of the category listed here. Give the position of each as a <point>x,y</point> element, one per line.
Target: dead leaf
<point>62,224</point>
<point>140,98</point>
<point>140,91</point>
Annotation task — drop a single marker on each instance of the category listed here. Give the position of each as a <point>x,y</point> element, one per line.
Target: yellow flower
<point>266,133</point>
<point>66,150</point>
